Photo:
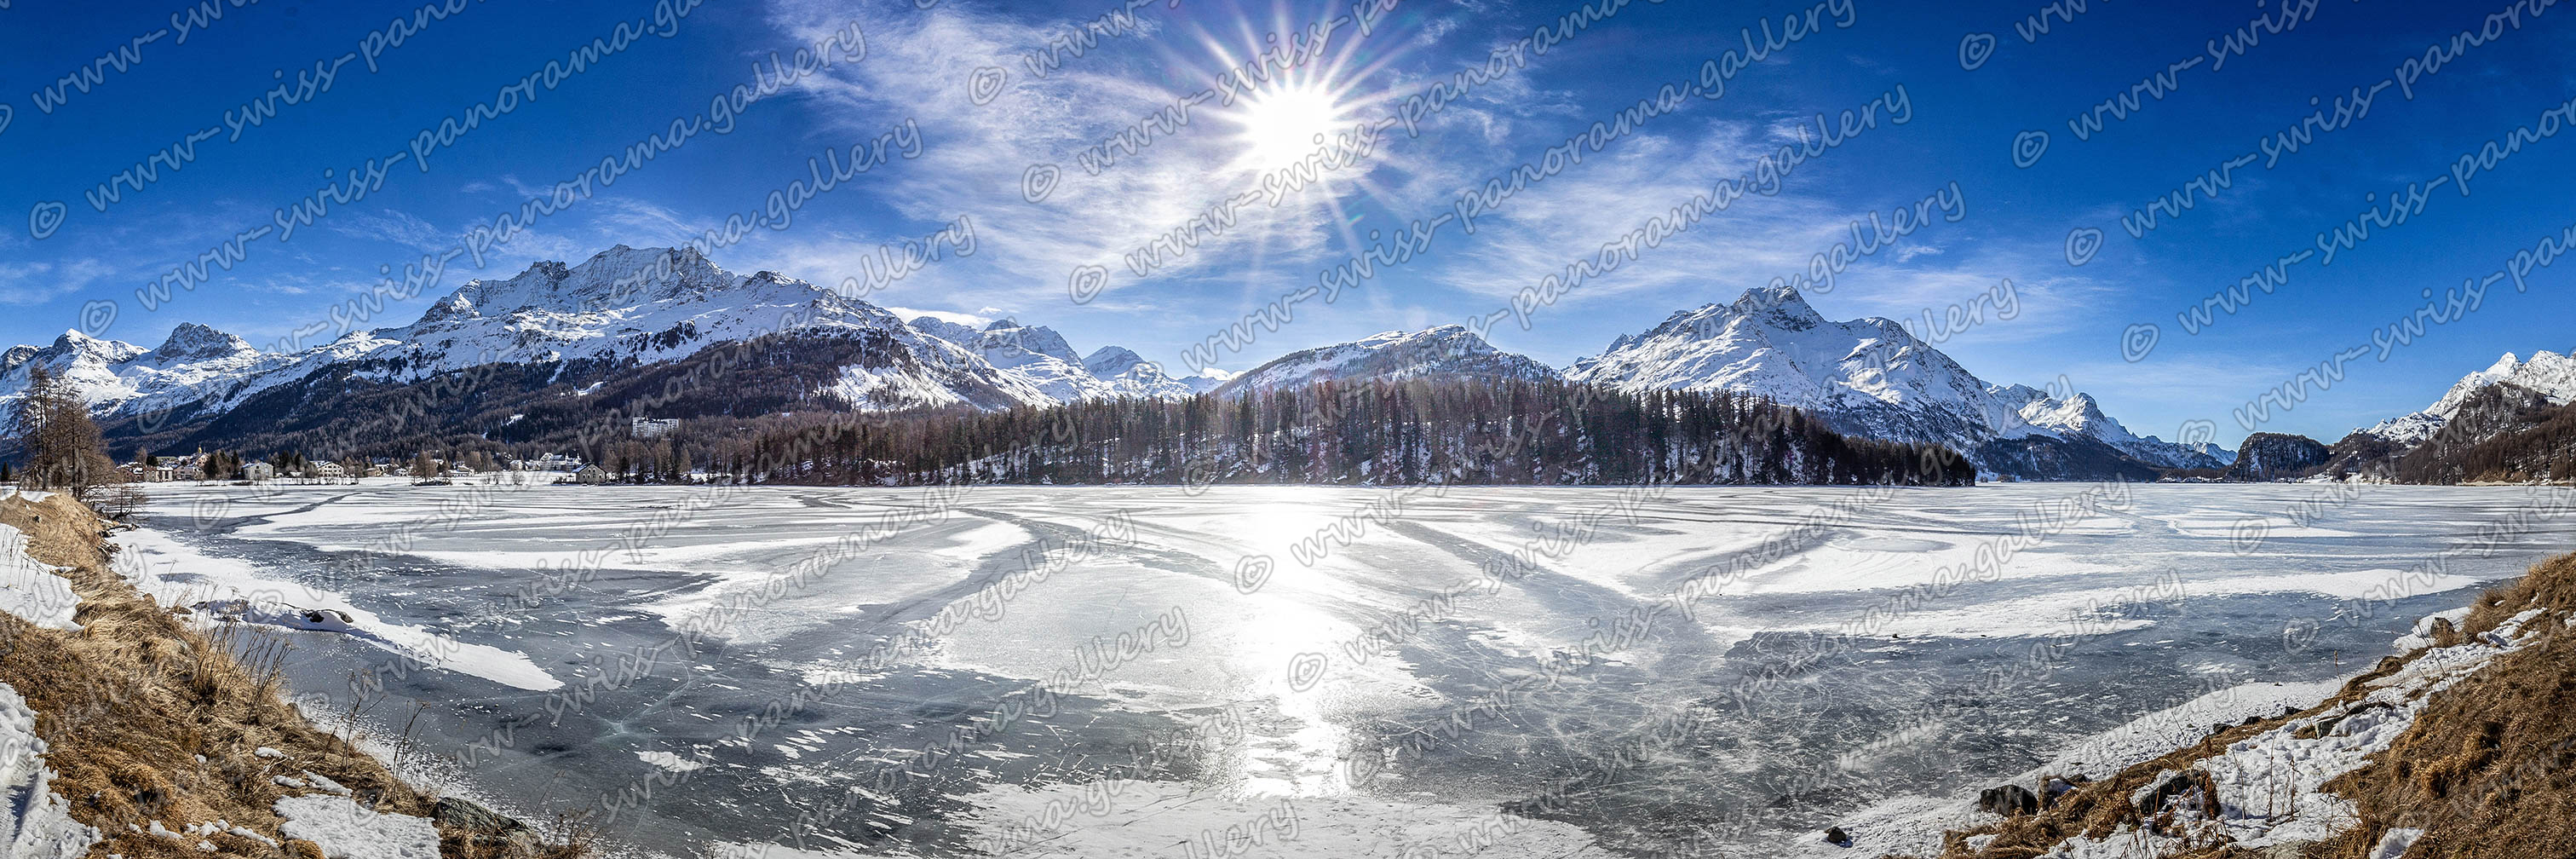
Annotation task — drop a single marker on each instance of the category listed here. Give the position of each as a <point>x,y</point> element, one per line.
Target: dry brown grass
<point>147,719</point>
<point>2484,771</point>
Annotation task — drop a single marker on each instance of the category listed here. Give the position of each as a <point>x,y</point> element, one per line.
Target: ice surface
<point>1704,671</point>
<point>225,588</point>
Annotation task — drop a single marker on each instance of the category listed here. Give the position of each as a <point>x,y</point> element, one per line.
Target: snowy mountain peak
<point>1448,350</point>
<point>1111,360</point>
<point>1035,339</point>
<point>618,277</point>
<point>192,342</point>
<point>2550,374</point>
<point>1863,376</point>
<point>74,345</point>
<point>1781,305</point>
<point>952,332</point>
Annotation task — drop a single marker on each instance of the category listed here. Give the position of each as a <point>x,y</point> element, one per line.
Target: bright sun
<point>1280,125</point>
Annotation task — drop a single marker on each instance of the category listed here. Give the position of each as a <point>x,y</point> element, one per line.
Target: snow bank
<point>178,574</point>
<point>31,589</point>
<point>2423,634</point>
<point>1916,825</point>
<point>347,831</point>
<point>38,823</point>
<point>2271,786</point>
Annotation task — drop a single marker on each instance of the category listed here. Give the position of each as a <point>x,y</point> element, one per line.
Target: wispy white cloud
<point>36,282</point>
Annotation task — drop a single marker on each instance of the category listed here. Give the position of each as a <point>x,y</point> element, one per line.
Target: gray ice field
<point>1155,671</point>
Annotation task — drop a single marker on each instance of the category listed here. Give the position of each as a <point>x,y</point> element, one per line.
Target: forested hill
<point>1440,430</point>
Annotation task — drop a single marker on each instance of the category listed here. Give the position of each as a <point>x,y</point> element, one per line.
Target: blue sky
<point>920,66</point>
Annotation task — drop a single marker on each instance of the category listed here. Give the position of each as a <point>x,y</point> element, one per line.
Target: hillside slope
<point>2458,749</point>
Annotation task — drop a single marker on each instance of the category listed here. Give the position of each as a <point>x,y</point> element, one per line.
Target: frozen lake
<point>1142,671</point>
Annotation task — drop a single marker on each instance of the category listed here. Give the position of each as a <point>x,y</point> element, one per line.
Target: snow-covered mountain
<point>1131,375</point>
<point>2549,374</point>
<point>195,368</point>
<point>645,305</point>
<point>1867,377</point>
<point>623,307</point>
<point>630,311</point>
<point>1449,350</point>
<point>1042,356</point>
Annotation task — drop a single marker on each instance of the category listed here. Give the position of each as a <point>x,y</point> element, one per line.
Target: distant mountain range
<point>644,331</point>
<point>2511,422</point>
<point>1871,378</point>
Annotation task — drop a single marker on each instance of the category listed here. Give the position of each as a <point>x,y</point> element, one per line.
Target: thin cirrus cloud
<point>976,157</point>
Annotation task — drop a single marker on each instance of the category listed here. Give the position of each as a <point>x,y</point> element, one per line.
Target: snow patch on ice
<point>178,574</point>
<point>670,761</point>
<point>1136,818</point>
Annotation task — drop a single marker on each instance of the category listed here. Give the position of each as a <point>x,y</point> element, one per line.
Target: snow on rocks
<point>2270,787</point>
<point>346,830</point>
<point>2423,634</point>
<point>38,822</point>
<point>2393,844</point>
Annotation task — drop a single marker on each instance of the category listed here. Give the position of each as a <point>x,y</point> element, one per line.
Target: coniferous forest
<point>1452,430</point>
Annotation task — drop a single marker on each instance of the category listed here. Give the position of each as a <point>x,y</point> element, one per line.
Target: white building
<point>258,471</point>
<point>651,427</point>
